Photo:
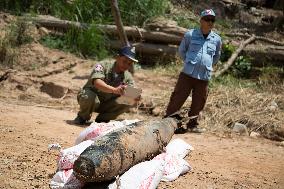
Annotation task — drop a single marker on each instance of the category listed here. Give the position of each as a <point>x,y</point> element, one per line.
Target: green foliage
<point>242,67</point>
<point>54,42</point>
<point>232,82</point>
<point>15,36</point>
<point>222,24</point>
<point>271,76</point>
<point>169,69</point>
<point>8,55</point>
<point>91,42</point>
<point>227,51</point>
<point>18,33</point>
<point>185,22</point>
<point>88,43</point>
<point>134,12</point>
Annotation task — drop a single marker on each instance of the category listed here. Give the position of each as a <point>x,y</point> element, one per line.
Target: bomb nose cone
<point>84,169</point>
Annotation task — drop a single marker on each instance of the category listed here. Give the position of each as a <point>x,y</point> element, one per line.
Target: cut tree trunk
<point>120,29</point>
<point>144,35</point>
<point>265,39</point>
<point>133,32</point>
<point>148,48</point>
<point>167,36</point>
<point>161,43</point>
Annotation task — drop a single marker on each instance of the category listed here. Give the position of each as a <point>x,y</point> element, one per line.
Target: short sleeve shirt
<point>105,72</point>
<point>200,54</point>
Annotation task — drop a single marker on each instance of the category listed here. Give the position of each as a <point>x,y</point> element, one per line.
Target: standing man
<point>105,84</point>
<point>200,49</point>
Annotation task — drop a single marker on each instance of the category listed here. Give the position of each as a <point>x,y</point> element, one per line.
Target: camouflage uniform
<point>92,99</point>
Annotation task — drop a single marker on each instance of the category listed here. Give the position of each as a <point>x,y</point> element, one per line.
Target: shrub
<point>15,36</point>
<point>242,67</point>
<point>227,51</point>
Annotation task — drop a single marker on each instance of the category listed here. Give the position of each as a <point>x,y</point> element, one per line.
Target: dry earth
<point>36,105</point>
<point>218,162</point>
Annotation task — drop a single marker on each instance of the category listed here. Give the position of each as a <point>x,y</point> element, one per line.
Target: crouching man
<point>105,84</point>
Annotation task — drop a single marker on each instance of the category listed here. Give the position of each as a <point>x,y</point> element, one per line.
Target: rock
<point>43,31</point>
<point>254,134</point>
<point>240,128</point>
<point>156,111</point>
<point>273,106</point>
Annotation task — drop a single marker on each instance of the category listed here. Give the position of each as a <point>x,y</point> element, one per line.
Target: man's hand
<point>119,90</point>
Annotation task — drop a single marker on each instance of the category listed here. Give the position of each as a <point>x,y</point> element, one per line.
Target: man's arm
<point>101,85</point>
<point>183,47</point>
<point>217,55</point>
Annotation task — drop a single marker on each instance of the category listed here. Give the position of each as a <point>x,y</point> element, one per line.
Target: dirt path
<point>218,162</point>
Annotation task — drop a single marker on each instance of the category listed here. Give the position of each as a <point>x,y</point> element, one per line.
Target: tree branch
<point>234,56</point>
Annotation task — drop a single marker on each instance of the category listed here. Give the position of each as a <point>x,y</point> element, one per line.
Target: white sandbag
<point>65,180</point>
<point>68,156</point>
<point>174,166</point>
<point>178,147</point>
<point>99,129</point>
<point>145,175</point>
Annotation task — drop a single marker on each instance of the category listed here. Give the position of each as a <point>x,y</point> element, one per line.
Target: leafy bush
<point>15,36</point>
<point>18,33</point>
<point>8,55</point>
<point>227,51</point>
<point>54,42</point>
<point>88,43</point>
<point>242,67</point>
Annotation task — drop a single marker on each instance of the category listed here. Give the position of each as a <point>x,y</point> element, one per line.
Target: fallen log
<point>134,32</point>
<point>148,48</point>
<point>261,38</point>
<point>115,152</point>
<point>234,56</point>
<point>144,35</point>
<point>169,35</point>
<point>265,55</point>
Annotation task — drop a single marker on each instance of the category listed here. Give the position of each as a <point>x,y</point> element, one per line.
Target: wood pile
<point>163,40</point>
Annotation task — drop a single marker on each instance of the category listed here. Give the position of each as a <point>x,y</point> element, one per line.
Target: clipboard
<point>131,93</point>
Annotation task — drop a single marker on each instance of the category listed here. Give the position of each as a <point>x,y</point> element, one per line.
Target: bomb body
<point>116,152</point>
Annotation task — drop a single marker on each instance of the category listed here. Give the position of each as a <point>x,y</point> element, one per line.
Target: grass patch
<point>232,82</point>
<point>171,69</point>
<point>15,35</point>
<point>88,43</point>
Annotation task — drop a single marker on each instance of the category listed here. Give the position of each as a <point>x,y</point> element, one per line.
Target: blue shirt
<point>199,54</point>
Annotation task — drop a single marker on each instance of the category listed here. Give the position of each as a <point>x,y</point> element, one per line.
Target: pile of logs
<point>165,41</point>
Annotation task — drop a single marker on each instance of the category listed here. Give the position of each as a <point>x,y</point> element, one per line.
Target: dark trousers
<point>185,85</point>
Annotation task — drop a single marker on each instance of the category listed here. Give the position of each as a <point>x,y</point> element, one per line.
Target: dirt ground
<point>218,162</point>
<point>36,106</point>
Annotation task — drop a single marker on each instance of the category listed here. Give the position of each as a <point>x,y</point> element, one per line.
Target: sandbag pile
<point>166,166</point>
